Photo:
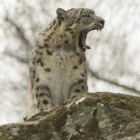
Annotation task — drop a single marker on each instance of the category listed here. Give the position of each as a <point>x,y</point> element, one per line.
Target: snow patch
<point>80,100</point>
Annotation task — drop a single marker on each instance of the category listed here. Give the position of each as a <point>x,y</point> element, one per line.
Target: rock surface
<point>97,116</point>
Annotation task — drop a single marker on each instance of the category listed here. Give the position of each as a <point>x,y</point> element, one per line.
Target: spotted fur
<point>57,63</point>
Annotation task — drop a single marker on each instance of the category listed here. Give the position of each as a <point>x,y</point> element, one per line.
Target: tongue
<point>84,41</point>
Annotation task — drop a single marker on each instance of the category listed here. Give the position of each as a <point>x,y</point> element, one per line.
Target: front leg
<point>42,98</point>
<point>78,88</point>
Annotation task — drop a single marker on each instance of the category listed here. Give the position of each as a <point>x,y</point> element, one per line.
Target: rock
<point>97,116</point>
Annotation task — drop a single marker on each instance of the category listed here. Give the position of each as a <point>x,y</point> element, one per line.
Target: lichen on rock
<point>97,116</point>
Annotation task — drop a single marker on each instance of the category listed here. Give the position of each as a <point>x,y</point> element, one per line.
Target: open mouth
<point>82,39</point>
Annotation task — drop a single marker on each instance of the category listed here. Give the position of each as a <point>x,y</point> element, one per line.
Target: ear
<point>61,13</point>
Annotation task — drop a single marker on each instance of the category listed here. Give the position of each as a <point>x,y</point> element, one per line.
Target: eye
<point>86,16</point>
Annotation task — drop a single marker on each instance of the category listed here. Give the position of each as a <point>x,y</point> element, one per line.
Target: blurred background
<point>113,61</point>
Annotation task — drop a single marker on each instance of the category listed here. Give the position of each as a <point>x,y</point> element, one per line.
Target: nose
<point>102,21</point>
